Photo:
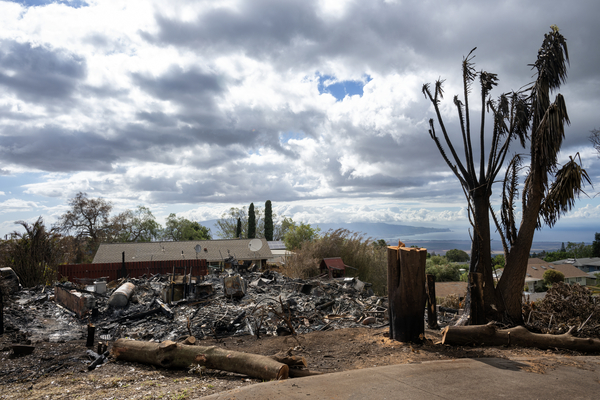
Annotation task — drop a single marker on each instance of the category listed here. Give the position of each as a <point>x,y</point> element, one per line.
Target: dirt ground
<point>59,370</point>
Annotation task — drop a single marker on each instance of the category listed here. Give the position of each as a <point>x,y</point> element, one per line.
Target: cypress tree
<point>268,221</point>
<point>251,222</point>
<point>238,229</point>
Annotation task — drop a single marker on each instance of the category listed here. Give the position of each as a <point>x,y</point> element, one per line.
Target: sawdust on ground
<point>59,370</point>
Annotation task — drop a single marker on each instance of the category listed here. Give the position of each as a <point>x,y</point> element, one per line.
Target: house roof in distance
<point>210,250</point>
<point>580,262</point>
<point>536,268</point>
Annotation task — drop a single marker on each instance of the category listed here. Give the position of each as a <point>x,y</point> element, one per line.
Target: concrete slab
<point>483,378</point>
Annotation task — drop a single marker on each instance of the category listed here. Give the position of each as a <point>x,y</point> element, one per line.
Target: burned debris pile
<point>250,303</point>
<point>185,309</point>
<point>565,308</point>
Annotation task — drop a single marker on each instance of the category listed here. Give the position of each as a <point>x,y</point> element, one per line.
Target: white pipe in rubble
<point>120,297</point>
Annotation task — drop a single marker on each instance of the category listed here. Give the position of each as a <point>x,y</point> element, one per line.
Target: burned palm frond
<point>567,187</point>
<point>469,73</point>
<point>510,193</point>
<point>488,81</point>
<point>520,117</point>
<point>550,134</point>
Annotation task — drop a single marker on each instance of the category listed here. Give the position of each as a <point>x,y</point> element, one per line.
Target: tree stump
<point>406,293</point>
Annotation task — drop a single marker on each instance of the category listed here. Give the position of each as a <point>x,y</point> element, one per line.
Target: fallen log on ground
<point>490,335</point>
<point>169,354</point>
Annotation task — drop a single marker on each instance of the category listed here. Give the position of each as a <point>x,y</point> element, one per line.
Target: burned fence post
<point>123,273</point>
<point>431,303</point>
<point>90,335</point>
<point>406,293</point>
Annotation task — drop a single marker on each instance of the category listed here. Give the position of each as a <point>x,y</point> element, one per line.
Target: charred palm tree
<point>549,190</point>
<point>477,169</point>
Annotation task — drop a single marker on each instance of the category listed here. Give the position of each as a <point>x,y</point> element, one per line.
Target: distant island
<point>392,233</point>
<point>380,230</point>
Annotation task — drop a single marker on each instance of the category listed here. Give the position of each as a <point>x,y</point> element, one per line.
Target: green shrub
<point>552,276</point>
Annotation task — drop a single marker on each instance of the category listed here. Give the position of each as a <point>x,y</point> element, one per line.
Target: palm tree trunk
<point>510,286</point>
<point>481,253</point>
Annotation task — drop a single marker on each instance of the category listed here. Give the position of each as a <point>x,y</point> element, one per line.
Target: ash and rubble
<point>260,307</point>
<point>221,304</point>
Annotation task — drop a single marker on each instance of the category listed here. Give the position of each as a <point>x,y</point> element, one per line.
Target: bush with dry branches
<point>35,253</point>
<point>563,307</point>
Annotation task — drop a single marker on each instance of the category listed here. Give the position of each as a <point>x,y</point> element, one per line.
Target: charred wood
<point>169,354</point>
<point>490,335</point>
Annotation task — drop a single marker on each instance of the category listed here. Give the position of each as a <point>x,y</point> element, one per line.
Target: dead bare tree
<point>548,189</point>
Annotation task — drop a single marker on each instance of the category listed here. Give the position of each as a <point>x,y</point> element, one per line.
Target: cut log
<point>490,335</point>
<point>169,354</point>
<point>406,293</point>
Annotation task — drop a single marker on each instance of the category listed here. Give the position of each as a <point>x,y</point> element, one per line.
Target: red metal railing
<point>132,269</point>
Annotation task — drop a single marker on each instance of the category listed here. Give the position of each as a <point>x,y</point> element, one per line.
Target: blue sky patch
<point>41,3</point>
<point>287,136</point>
<point>340,89</point>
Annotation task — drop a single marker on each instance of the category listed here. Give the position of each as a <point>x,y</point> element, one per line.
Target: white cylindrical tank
<point>120,297</point>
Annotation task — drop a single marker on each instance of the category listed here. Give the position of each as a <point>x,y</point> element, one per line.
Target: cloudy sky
<point>193,107</point>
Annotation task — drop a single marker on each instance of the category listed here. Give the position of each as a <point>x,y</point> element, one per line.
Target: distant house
<point>536,268</point>
<point>279,252</point>
<point>585,264</point>
<point>215,252</point>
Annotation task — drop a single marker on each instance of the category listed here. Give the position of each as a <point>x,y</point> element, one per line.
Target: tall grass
<point>369,259</point>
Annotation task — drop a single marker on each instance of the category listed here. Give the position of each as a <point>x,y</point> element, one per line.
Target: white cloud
<point>177,103</point>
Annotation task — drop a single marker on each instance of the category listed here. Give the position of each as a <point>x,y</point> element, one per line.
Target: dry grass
<point>355,250</point>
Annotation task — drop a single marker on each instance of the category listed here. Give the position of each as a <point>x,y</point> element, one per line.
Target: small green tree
<point>498,261</point>
<point>251,222</point>
<point>179,229</point>
<point>444,272</point>
<point>579,250</point>
<point>268,221</point>
<point>456,255</point>
<point>553,276</point>
<point>195,231</point>
<point>296,237</point>
<point>134,226</point>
